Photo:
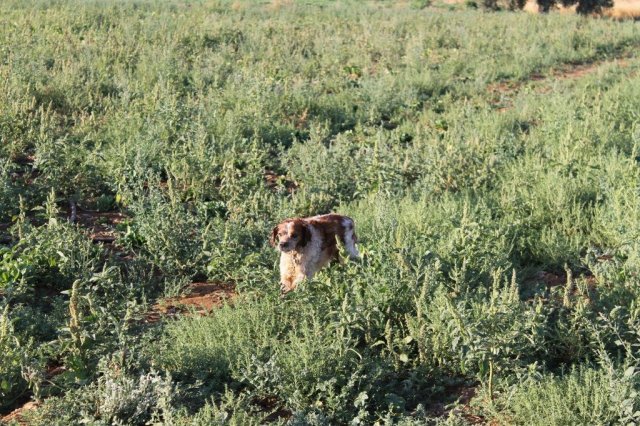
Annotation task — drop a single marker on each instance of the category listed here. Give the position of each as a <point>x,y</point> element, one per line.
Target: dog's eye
<point>294,235</point>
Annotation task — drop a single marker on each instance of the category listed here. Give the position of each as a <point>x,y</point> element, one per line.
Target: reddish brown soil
<point>200,298</point>
<point>5,238</point>
<point>26,173</point>
<point>272,406</point>
<point>16,415</point>
<point>274,180</point>
<point>25,404</point>
<point>463,394</point>
<point>501,92</point>
<point>100,225</point>
<point>23,160</point>
<point>551,279</point>
<point>466,411</point>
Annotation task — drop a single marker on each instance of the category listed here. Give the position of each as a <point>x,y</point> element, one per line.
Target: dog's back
<point>334,225</point>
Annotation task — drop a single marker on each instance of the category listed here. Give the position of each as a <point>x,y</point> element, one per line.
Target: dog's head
<point>290,235</point>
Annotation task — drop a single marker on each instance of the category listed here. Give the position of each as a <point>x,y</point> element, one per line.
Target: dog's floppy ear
<point>274,236</point>
<point>305,235</point>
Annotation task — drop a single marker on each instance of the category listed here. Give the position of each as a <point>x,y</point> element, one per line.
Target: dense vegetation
<point>496,199</point>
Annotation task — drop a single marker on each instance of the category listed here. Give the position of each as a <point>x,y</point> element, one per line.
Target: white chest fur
<point>297,265</point>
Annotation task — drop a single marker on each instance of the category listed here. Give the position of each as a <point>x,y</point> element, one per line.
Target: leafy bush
<point>114,398</point>
<point>581,396</point>
<point>169,236</point>
<point>8,191</point>
<point>13,352</point>
<point>56,255</point>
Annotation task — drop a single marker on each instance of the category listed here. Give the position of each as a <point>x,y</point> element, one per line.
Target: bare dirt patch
<point>502,92</point>
<point>16,415</point>
<point>24,403</point>
<point>25,173</point>
<point>461,395</point>
<point>5,237</point>
<point>100,225</point>
<point>558,286</point>
<point>274,181</point>
<point>551,279</point>
<point>200,298</point>
<point>274,407</point>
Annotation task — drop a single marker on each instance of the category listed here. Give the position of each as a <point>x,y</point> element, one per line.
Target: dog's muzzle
<point>284,247</point>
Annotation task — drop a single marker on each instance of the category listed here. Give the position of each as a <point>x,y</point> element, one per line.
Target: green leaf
<point>629,372</point>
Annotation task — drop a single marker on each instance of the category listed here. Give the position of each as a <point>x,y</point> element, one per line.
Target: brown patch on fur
<point>273,239</point>
<point>329,227</point>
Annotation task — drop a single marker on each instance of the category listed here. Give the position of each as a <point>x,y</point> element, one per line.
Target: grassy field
<point>491,162</point>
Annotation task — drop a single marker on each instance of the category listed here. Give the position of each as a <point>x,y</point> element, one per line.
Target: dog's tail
<point>350,237</point>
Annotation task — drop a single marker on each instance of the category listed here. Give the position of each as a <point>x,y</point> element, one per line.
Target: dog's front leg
<point>288,273</point>
<point>286,286</point>
<point>289,283</point>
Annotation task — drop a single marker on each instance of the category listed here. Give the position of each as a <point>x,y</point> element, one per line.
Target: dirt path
<point>101,225</point>
<point>501,93</point>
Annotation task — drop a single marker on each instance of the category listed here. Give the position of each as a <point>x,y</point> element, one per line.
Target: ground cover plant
<point>490,162</point>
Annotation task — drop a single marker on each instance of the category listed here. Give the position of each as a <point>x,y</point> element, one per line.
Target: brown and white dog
<point>308,244</point>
